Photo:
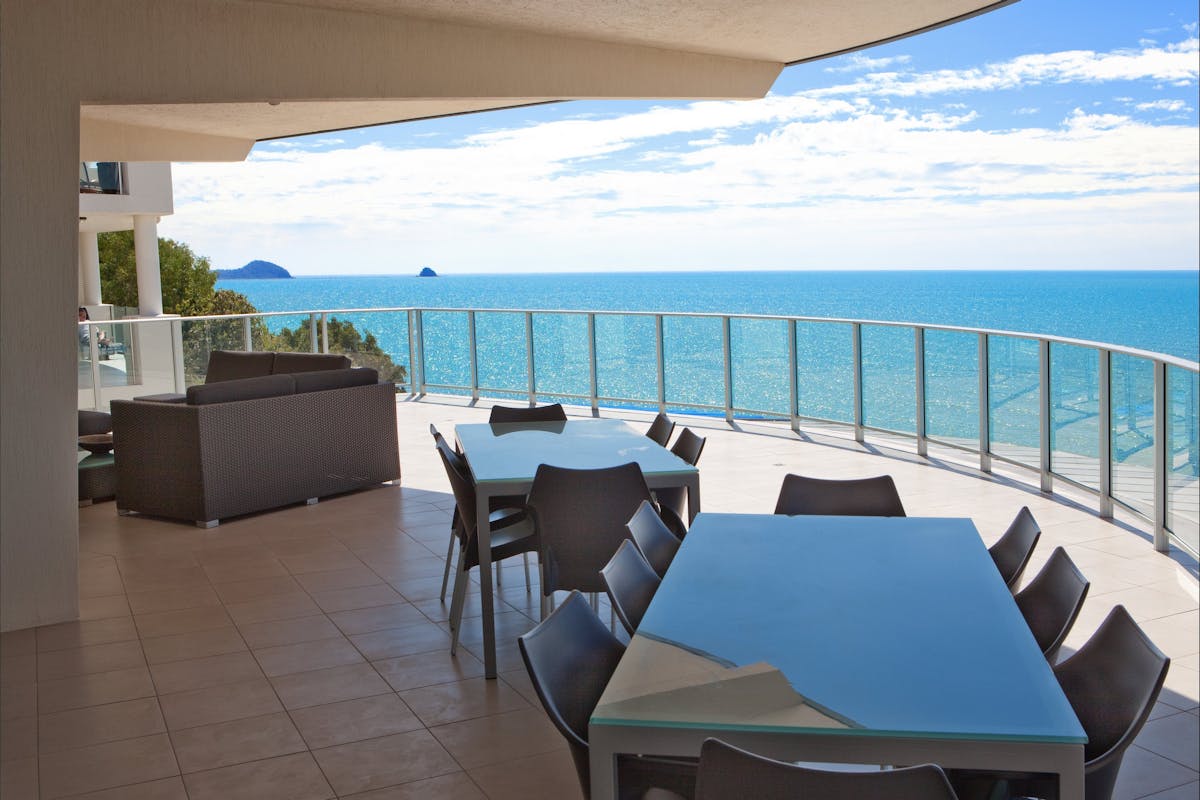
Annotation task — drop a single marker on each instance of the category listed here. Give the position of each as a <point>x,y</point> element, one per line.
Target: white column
<point>149,282</point>
<point>89,269</point>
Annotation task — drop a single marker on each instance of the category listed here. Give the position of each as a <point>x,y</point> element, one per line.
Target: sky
<point>1049,134</point>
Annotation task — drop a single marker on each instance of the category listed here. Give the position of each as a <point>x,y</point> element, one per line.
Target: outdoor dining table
<point>504,458</point>
<point>872,640</point>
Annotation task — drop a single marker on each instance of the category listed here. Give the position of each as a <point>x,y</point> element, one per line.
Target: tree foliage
<point>188,289</point>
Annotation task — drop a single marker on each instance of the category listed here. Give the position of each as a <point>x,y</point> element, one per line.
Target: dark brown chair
<point>673,499</point>
<point>861,497</point>
<point>570,657</point>
<point>1051,601</point>
<point>1011,551</point>
<point>653,538</point>
<point>631,583</point>
<point>730,773</point>
<point>550,413</point>
<point>580,516</point>
<point>661,429</point>
<point>515,537</point>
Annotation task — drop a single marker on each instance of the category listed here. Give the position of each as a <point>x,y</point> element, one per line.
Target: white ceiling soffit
<point>783,31</point>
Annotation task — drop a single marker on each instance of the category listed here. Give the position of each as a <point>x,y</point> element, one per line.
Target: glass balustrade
<point>1119,423</point>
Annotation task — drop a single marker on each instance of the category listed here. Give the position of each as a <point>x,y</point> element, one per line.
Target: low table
<point>97,478</point>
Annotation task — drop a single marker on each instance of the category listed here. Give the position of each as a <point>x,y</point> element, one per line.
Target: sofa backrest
<point>286,363</point>
<point>325,379</point>
<point>231,365</point>
<point>241,389</point>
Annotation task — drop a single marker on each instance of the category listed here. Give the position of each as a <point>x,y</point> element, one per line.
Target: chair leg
<point>499,582</point>
<point>528,585</point>
<point>449,557</point>
<point>456,608</point>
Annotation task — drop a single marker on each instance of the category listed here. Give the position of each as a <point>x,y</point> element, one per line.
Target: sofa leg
<point>123,512</point>
<point>207,523</point>
<point>312,501</point>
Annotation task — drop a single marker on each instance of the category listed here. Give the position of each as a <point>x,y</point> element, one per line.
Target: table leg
<point>483,540</point>
<point>693,492</point>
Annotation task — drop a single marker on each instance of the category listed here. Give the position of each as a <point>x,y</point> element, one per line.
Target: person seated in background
<point>85,336</point>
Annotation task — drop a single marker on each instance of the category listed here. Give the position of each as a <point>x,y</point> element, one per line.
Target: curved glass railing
<point>1119,423</point>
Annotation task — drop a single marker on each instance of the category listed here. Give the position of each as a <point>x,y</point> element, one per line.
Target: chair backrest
<point>550,413</point>
<point>460,483</point>
<point>730,773</point>
<point>861,497</point>
<point>661,429</point>
<point>1112,683</point>
<point>570,656</point>
<point>1011,551</point>
<point>1051,601</point>
<point>652,536</point>
<point>689,446</point>
<point>631,583</point>
<point>580,515</point>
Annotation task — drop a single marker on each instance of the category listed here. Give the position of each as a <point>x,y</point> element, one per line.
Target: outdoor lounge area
<point>305,653</point>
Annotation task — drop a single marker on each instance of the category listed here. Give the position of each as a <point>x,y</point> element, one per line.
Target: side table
<point>97,478</point>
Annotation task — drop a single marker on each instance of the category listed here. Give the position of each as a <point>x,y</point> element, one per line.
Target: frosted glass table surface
<point>848,625</point>
<point>507,452</point>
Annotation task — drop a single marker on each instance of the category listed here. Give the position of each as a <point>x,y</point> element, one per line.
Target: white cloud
<point>857,62</point>
<point>1162,105</point>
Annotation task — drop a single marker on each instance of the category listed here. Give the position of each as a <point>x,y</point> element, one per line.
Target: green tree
<point>363,349</point>
<point>187,279</point>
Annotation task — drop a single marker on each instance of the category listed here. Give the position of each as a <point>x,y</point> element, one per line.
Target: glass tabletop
<point>856,625</point>
<point>512,452</point>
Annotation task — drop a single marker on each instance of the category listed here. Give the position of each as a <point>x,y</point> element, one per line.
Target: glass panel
<point>625,365</point>
<point>889,378</point>
<point>952,387</point>
<point>758,349</point>
<point>1183,456</point>
<point>694,357</point>
<point>1075,413</point>
<point>560,354</point>
<point>1133,432</point>
<point>501,357</point>
<point>825,370</point>
<point>372,339</point>
<point>202,337</point>
<point>1013,376</point>
<point>285,333</point>
<point>447,348</point>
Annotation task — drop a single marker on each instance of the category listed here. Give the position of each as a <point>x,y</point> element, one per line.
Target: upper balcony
<point>111,192</point>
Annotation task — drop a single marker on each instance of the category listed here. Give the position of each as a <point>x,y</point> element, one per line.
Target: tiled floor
<point>303,653</point>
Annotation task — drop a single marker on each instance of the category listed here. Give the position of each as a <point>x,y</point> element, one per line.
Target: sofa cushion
<point>325,379</point>
<point>243,389</point>
<point>93,422</point>
<point>166,397</point>
<point>308,362</point>
<point>230,365</point>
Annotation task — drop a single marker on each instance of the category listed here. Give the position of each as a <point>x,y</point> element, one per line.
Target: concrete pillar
<point>89,269</point>
<point>149,281</point>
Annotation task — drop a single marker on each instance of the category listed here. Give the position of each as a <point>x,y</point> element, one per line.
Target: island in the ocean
<point>255,269</point>
<point>427,272</point>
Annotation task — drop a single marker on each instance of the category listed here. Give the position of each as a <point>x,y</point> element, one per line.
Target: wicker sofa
<point>252,442</point>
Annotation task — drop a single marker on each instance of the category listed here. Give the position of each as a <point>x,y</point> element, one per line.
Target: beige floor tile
<point>184,646</point>
<point>455,702</point>
<point>376,618</point>
<point>320,562</point>
<point>224,744</point>
<point>304,689</point>
<point>82,691</point>
<point>81,727</point>
<point>201,673</point>
<point>416,637</point>
<point>427,669</point>
<point>499,737</point>
<point>1177,634</point>
<point>306,656</point>
<point>549,775</point>
<point>104,607</point>
<point>231,571</point>
<point>1143,773</point>
<point>318,544</point>
<point>519,680</point>
<point>293,777</point>
<point>354,720</point>
<point>246,591</point>
<point>273,608</point>
<point>455,786</point>
<point>358,597</point>
<point>173,599</point>
<point>337,579</point>
<point>104,766</point>
<point>219,704</point>
<point>289,631</point>
<point>382,762</point>
<point>1176,737</point>
<point>187,620</point>
<point>71,635</point>
<point>151,579</point>
<point>164,789</point>
<point>85,660</point>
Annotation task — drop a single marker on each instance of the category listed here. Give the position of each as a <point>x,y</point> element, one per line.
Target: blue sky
<point>1047,134</point>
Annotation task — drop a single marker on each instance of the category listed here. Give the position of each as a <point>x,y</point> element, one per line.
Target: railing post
<point>1162,542</point>
<point>420,322</point>
<point>178,367</point>
<point>659,364</point>
<point>412,352</point>
<point>985,417</point>
<point>793,380</point>
<point>856,337</point>
<point>726,354</point>
<point>94,353</point>
<point>246,334</point>
<point>919,350</point>
<point>324,333</point>
<point>529,358</point>
<point>312,334</point>
<point>1104,396</point>
<point>593,381</point>
<point>1044,426</point>
<point>473,354</point>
